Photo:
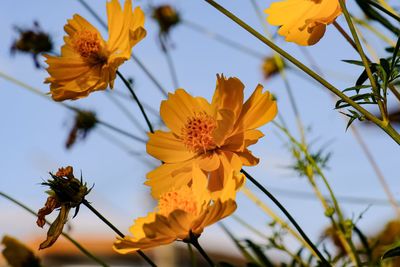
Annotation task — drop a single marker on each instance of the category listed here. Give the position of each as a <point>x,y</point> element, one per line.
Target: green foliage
<point>386,73</point>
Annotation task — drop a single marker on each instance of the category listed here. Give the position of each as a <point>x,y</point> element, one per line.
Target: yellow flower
<point>179,214</point>
<point>214,136</point>
<point>303,21</point>
<point>88,63</point>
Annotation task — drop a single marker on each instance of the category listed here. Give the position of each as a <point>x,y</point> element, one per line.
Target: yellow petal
<point>166,147</point>
<point>225,125</point>
<point>247,158</point>
<point>228,95</point>
<point>179,107</point>
<point>169,176</point>
<point>118,40</point>
<point>257,110</point>
<point>208,162</point>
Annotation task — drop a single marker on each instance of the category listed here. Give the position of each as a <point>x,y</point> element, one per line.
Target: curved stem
<point>128,85</point>
<point>118,130</point>
<point>73,241</point>
<point>115,229</point>
<point>383,125</point>
<point>287,214</point>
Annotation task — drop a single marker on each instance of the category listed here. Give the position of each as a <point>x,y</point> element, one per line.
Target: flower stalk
<point>128,85</point>
<point>194,240</point>
<point>115,229</point>
<point>324,262</point>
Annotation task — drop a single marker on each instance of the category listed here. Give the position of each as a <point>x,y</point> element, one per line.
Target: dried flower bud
<point>66,192</point>
<point>50,205</point>
<point>32,41</point>
<point>17,254</point>
<point>85,121</point>
<point>167,17</point>
<point>270,67</point>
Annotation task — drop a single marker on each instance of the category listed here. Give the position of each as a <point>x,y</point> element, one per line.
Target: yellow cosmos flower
<point>303,21</point>
<point>180,213</point>
<point>88,63</point>
<point>214,136</point>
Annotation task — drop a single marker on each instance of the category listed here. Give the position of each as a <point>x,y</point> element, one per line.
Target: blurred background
<point>34,129</point>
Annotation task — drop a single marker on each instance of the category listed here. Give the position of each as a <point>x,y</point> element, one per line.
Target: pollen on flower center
<point>197,134</point>
<point>181,199</point>
<point>88,45</point>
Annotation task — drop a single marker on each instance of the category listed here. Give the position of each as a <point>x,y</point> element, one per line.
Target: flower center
<point>88,45</point>
<point>197,133</point>
<point>181,199</point>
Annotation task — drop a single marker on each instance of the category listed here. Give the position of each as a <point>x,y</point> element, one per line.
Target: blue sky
<point>34,129</point>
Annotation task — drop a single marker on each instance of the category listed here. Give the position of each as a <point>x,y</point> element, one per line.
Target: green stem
<point>222,39</point>
<point>287,214</point>
<point>384,10</point>
<point>364,59</point>
<point>128,85</point>
<point>115,229</point>
<point>282,73</point>
<point>73,241</point>
<point>113,98</point>
<point>118,130</point>
<point>194,240</point>
<point>192,256</point>
<point>170,63</point>
<point>330,190</point>
<point>394,135</point>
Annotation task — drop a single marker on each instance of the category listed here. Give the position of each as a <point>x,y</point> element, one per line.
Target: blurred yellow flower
<point>214,136</point>
<point>180,213</point>
<point>303,21</point>
<point>88,63</point>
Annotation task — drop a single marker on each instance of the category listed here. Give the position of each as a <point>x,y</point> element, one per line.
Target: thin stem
<point>171,66</point>
<point>250,195</point>
<point>361,141</point>
<point>192,255</point>
<point>118,130</point>
<point>124,110</point>
<point>222,39</point>
<point>69,238</point>
<point>310,159</point>
<point>384,10</point>
<point>395,92</point>
<point>378,172</point>
<point>383,125</point>
<point>375,31</point>
<point>282,73</point>
<point>194,240</point>
<point>364,59</point>
<point>128,85</point>
<point>115,229</point>
<point>287,214</point>
<point>345,35</point>
<point>141,65</point>
<point>248,226</point>
<point>74,109</point>
<point>150,75</point>
<point>242,249</point>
